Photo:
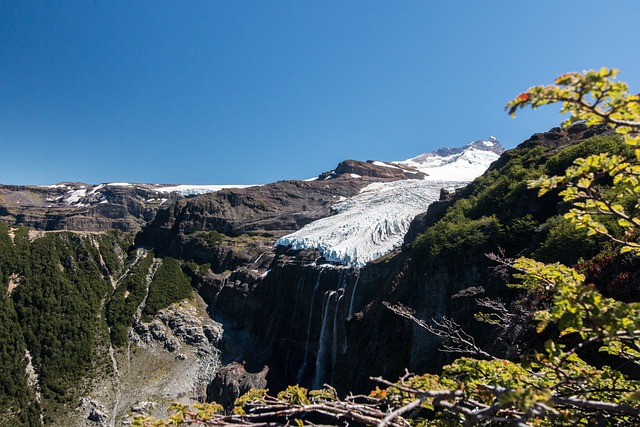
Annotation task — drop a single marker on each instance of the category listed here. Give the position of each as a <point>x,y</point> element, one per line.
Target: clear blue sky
<point>240,92</point>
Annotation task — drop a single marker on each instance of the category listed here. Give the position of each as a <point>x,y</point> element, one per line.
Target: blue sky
<point>243,92</point>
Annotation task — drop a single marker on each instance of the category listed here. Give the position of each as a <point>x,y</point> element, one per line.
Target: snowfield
<point>374,222</point>
<point>195,190</point>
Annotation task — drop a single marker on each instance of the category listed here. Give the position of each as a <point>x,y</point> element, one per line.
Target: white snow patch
<point>355,175</point>
<point>75,195</point>
<point>386,165</point>
<point>120,184</point>
<point>465,166</point>
<point>96,188</point>
<point>194,190</point>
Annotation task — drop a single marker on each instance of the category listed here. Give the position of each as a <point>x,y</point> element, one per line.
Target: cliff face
<point>308,320</point>
<point>232,227</point>
<point>313,322</point>
<point>82,207</point>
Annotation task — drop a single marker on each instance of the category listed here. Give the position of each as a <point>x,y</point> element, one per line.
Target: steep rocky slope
<point>315,322</point>
<point>86,207</point>
<point>282,307</point>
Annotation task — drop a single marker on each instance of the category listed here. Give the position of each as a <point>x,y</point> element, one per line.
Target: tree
<point>555,385</point>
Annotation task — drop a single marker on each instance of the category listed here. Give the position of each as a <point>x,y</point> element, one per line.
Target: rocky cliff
<point>313,322</point>
<point>281,312</point>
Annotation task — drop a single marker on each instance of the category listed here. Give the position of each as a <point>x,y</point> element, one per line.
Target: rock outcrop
<point>373,169</point>
<point>233,227</point>
<point>82,207</point>
<point>232,381</point>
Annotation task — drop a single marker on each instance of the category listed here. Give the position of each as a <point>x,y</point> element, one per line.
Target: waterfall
<point>353,296</point>
<point>334,344</point>
<point>297,296</point>
<point>214,303</point>
<point>306,346</point>
<point>321,359</point>
<point>274,310</point>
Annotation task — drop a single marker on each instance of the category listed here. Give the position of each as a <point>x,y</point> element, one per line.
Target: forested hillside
<point>68,302</point>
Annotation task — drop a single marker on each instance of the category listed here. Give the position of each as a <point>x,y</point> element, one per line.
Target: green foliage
<point>16,397</point>
<point>612,144</point>
<point>210,238</point>
<point>255,396</point>
<point>126,299</point>
<point>51,301</point>
<point>110,247</point>
<point>459,235</point>
<point>169,285</point>
<point>294,394</point>
<point>563,243</point>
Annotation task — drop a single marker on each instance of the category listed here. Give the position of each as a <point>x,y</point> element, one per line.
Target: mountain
<point>86,207</point>
<point>292,278</point>
<point>461,164</point>
<point>370,224</point>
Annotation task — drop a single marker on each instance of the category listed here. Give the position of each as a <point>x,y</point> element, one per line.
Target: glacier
<point>374,222</point>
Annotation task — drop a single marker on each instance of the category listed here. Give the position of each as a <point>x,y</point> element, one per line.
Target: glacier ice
<point>374,222</point>
<point>370,224</point>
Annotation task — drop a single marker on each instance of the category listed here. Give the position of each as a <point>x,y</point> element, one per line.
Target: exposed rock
<point>94,411</point>
<point>177,324</point>
<point>232,381</point>
<point>373,169</point>
<point>82,207</point>
<point>143,407</point>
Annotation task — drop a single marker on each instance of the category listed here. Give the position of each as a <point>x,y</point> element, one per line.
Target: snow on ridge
<point>465,166</point>
<point>194,190</point>
<point>462,165</point>
<point>383,164</point>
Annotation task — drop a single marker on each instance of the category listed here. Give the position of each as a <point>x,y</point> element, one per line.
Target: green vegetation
<point>210,238</point>
<point>110,249</point>
<point>51,303</point>
<point>17,399</point>
<point>169,285</point>
<point>126,299</point>
<point>496,210</point>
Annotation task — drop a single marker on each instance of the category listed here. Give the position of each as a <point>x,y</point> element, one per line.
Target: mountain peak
<point>462,163</point>
<point>492,144</point>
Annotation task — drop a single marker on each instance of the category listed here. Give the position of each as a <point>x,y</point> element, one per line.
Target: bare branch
<point>455,339</point>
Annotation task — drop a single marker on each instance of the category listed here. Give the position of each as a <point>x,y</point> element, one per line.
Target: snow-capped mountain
<point>461,164</point>
<point>372,223</point>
